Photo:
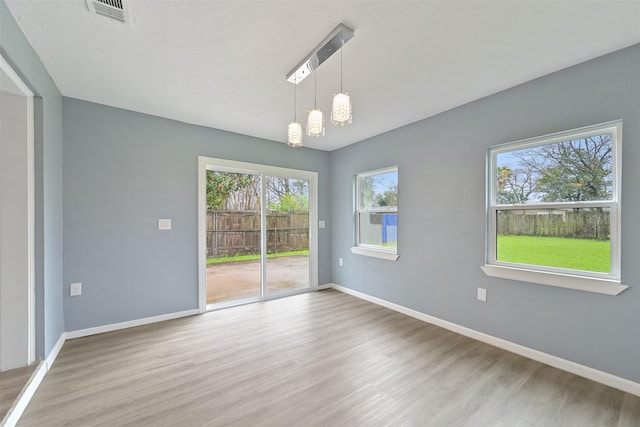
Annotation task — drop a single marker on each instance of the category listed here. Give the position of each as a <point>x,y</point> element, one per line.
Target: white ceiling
<point>222,64</point>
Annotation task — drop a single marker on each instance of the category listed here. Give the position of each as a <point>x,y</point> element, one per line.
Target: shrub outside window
<point>554,207</point>
<point>377,213</point>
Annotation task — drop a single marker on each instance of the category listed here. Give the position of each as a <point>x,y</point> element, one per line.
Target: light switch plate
<point>482,294</point>
<point>321,224</point>
<point>75,289</point>
<point>164,224</point>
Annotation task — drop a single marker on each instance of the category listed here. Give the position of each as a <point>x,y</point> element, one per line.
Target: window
<point>554,210</point>
<point>377,214</point>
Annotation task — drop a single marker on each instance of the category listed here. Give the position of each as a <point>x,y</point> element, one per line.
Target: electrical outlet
<point>75,289</point>
<point>482,294</point>
<point>340,262</point>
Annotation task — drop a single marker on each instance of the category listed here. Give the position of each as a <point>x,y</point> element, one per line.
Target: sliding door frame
<point>211,163</point>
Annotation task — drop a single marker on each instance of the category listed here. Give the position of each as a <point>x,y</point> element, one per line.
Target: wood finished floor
<point>321,358</point>
<point>11,384</point>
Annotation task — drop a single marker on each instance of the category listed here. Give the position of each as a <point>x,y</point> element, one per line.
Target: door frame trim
<point>30,120</point>
<point>252,168</point>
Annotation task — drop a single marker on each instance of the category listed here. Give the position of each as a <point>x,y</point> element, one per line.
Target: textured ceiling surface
<point>222,64</point>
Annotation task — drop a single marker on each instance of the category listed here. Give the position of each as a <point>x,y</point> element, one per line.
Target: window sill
<point>580,283</point>
<point>375,253</point>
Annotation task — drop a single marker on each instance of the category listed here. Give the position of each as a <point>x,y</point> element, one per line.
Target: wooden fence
<point>578,225</point>
<point>231,233</point>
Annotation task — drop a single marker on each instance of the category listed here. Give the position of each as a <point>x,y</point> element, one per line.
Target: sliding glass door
<point>287,234</point>
<point>257,232</point>
<point>234,243</point>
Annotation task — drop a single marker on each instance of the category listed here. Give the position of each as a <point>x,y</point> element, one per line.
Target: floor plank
<point>321,358</point>
<point>12,383</point>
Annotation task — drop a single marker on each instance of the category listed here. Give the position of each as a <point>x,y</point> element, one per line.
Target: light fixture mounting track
<point>330,45</point>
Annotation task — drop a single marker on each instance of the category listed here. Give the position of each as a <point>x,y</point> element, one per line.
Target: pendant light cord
<point>341,47</point>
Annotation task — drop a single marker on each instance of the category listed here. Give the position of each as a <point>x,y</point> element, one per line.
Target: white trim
<point>233,303</point>
<point>325,286</point>
<point>202,229</point>
<point>210,163</point>
<point>314,241</point>
<point>536,141</point>
<point>53,354</point>
<point>375,253</point>
<point>604,283</point>
<point>381,171</point>
<point>30,120</point>
<point>23,400</point>
<point>363,249</point>
<point>12,417</point>
<point>256,168</point>
<point>130,324</point>
<point>15,78</point>
<point>569,281</point>
<point>31,221</point>
<point>605,378</point>
<point>15,412</point>
<point>263,239</point>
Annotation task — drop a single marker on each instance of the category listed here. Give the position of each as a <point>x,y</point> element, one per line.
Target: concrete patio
<point>241,279</point>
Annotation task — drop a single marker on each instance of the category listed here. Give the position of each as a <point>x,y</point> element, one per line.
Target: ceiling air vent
<point>113,9</point>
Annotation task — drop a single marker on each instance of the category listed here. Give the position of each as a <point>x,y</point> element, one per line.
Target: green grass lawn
<point>254,257</point>
<point>576,254</point>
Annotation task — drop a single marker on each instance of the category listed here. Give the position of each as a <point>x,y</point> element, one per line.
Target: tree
<point>366,191</point>
<point>565,171</point>
<point>287,195</point>
<point>388,198</point>
<point>222,185</point>
<point>291,203</point>
<point>579,170</point>
<point>377,191</point>
<point>514,185</point>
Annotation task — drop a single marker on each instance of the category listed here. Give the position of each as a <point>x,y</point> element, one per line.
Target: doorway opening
<point>257,232</point>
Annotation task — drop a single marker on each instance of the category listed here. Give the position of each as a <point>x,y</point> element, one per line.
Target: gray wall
<point>442,179</point>
<point>122,172</point>
<point>48,152</point>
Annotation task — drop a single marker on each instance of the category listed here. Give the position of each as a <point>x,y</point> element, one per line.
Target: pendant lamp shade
<point>294,130</point>
<point>294,135</point>
<point>341,110</point>
<point>315,123</point>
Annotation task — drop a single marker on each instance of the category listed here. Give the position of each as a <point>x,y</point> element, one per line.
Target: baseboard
<point>23,399</point>
<point>14,414</point>
<point>605,378</point>
<point>129,324</point>
<point>53,354</point>
<point>325,286</point>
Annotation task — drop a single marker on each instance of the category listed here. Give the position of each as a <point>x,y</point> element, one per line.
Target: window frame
<point>376,251</point>
<point>605,283</point>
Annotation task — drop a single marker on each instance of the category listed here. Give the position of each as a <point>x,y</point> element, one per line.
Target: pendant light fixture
<point>294,131</point>
<point>341,108</point>
<point>341,112</point>
<point>315,120</point>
